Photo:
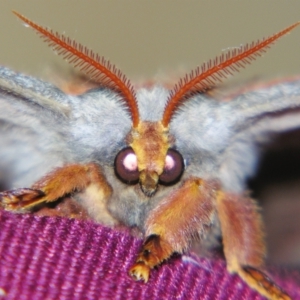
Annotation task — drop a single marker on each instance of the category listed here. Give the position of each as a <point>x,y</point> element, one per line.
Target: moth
<point>172,163</point>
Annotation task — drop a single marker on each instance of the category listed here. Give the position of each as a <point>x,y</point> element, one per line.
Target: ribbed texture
<point>56,258</point>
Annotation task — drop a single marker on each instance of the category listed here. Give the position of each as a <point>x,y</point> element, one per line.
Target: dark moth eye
<point>126,167</point>
<point>173,169</point>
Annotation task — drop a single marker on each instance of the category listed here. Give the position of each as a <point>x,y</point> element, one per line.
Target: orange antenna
<point>206,76</point>
<point>95,66</point>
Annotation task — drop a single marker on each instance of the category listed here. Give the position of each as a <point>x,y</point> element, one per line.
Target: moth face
<point>149,160</point>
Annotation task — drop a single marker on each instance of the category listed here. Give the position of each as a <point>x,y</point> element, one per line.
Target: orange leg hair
<point>170,227</point>
<point>56,184</point>
<point>187,212</point>
<point>243,243</point>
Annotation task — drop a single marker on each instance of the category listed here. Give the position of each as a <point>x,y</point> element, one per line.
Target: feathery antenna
<point>95,66</point>
<point>207,75</point>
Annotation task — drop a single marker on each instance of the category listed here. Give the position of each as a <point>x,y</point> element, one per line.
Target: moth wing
<point>227,138</point>
<point>267,120</point>
<point>43,128</point>
<point>33,126</point>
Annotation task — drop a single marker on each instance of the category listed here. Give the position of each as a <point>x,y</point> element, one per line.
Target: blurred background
<point>157,39</point>
<point>150,39</point>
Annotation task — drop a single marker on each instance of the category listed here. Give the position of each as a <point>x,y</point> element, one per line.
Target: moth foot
<point>262,283</point>
<point>20,199</point>
<point>154,251</point>
<point>140,271</point>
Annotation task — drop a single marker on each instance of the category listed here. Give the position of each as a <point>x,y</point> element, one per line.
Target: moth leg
<point>56,184</point>
<point>182,215</point>
<point>11,199</point>
<point>243,242</point>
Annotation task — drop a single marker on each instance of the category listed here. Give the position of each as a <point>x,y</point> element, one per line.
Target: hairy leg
<point>56,184</point>
<point>243,241</point>
<point>184,214</point>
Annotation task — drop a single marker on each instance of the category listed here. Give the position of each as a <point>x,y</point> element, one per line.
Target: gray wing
<point>33,126</point>
<point>42,128</point>
<point>266,118</point>
<point>226,139</point>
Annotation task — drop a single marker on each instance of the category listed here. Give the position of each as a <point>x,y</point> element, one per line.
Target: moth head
<point>150,158</point>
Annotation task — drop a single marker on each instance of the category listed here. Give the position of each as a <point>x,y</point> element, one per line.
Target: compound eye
<point>173,169</point>
<point>126,167</point>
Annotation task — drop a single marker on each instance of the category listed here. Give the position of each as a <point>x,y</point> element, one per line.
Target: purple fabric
<point>57,258</point>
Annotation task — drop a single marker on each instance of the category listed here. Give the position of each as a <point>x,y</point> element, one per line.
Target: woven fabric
<point>59,258</point>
